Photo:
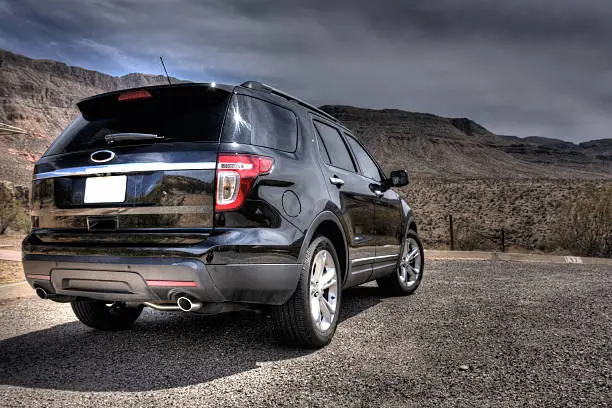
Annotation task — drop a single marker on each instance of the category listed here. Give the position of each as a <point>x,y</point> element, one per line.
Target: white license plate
<point>105,189</point>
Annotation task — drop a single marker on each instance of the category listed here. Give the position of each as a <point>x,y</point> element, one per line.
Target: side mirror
<point>399,178</point>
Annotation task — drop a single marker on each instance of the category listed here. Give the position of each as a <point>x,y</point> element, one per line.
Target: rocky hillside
<point>39,96</point>
<point>434,146</point>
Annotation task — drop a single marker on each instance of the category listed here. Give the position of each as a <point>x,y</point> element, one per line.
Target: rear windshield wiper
<point>119,137</point>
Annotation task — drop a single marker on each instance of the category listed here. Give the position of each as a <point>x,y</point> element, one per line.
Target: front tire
<point>409,272</point>
<point>310,316</point>
<point>105,316</point>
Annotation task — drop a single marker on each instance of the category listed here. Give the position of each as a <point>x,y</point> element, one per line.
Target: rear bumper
<point>138,279</point>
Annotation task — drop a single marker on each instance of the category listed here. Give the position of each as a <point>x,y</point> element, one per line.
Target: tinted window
<point>175,115</point>
<point>323,150</point>
<point>368,167</point>
<point>254,121</point>
<point>337,150</point>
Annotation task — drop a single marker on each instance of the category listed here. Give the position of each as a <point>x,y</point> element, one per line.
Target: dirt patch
<point>11,241</point>
<point>10,272</point>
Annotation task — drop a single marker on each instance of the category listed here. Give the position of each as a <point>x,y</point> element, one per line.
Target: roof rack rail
<point>267,88</point>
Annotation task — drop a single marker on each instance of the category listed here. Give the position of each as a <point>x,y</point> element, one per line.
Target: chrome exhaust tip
<point>41,293</point>
<point>188,305</point>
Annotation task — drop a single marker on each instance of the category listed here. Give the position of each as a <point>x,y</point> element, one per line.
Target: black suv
<point>210,198</point>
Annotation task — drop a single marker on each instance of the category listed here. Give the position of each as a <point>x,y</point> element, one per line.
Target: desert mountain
<point>434,146</point>
<point>39,96</point>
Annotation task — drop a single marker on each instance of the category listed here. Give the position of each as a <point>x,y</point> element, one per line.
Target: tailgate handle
<point>102,223</point>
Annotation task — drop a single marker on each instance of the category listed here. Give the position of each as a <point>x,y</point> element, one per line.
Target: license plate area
<point>109,189</point>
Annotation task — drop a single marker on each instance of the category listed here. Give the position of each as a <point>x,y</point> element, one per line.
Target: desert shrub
<point>13,214</point>
<point>469,236</point>
<point>584,224</point>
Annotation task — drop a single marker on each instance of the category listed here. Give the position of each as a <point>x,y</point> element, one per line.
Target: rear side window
<point>323,150</point>
<point>336,149</point>
<point>257,122</point>
<point>173,114</point>
<point>368,167</point>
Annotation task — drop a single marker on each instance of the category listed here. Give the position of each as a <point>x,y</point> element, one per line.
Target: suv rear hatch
<point>135,167</point>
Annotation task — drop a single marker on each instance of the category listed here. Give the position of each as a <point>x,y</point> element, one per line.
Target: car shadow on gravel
<point>163,350</point>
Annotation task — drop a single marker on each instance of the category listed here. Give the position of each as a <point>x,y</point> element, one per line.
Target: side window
<point>257,122</point>
<point>368,167</point>
<point>337,152</point>
<point>323,149</point>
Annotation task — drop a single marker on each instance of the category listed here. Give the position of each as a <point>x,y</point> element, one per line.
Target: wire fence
<point>469,236</point>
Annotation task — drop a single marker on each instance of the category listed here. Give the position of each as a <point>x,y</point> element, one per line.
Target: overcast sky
<point>519,67</point>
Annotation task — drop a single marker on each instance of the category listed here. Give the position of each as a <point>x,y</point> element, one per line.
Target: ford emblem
<point>102,156</point>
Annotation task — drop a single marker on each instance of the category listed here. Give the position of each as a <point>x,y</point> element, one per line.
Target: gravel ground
<point>474,334</point>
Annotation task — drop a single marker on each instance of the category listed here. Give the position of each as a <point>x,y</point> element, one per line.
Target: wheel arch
<point>408,219</point>
<point>327,223</point>
<point>412,225</point>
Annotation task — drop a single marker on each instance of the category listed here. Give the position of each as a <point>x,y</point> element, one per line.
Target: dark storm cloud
<point>518,67</point>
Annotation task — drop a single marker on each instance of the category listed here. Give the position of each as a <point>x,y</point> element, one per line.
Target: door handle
<point>336,181</point>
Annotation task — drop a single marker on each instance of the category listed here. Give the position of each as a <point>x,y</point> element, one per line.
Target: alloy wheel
<point>323,289</point>
<point>410,265</point>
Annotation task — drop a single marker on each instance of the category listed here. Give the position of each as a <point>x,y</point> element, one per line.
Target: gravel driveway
<point>475,334</point>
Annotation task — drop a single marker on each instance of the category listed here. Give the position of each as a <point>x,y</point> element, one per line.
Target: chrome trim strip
<point>358,271</point>
<point>124,168</point>
<point>370,268</point>
<point>387,265</point>
<point>113,211</point>
<point>371,258</point>
<point>251,265</point>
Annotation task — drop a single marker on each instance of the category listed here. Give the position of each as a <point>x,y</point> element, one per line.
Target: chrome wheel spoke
<point>413,254</point>
<point>315,309</point>
<point>413,272</point>
<point>317,269</point>
<point>328,279</point>
<point>326,309</point>
<point>403,275</point>
<point>329,284</point>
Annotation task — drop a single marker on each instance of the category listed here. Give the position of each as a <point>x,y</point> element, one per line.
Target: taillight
<point>133,95</point>
<point>236,174</point>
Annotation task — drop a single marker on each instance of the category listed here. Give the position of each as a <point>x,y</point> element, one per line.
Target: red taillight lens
<point>133,95</point>
<point>236,174</point>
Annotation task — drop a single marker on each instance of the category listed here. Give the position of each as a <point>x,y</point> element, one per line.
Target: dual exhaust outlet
<point>188,305</point>
<point>183,303</point>
<point>41,293</point>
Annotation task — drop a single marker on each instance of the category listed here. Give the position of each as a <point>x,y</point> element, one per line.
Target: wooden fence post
<point>452,237</point>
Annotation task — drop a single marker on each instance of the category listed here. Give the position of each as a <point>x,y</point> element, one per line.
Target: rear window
<point>257,122</point>
<point>187,114</point>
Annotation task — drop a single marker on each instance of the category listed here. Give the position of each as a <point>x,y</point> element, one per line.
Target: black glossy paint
<point>170,214</point>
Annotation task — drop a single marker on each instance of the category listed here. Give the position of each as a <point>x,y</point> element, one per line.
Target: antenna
<point>164,65</point>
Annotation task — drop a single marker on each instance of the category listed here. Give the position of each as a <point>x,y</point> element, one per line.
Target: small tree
<point>584,224</point>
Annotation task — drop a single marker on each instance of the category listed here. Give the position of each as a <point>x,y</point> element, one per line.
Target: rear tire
<point>310,316</point>
<point>409,272</point>
<point>103,316</point>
